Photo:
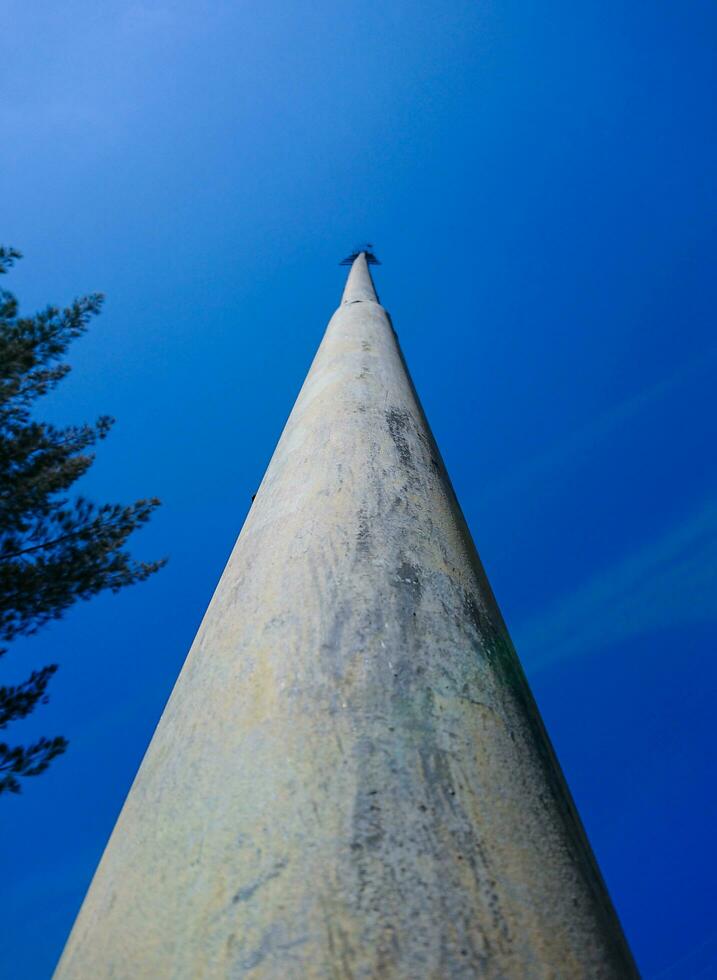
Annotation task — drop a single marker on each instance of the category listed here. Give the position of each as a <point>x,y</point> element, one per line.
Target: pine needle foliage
<point>54,550</point>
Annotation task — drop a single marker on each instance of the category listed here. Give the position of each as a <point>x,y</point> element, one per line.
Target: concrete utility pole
<point>351,779</point>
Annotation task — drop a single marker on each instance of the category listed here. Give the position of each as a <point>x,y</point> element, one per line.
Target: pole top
<point>359,284</point>
<point>367,249</point>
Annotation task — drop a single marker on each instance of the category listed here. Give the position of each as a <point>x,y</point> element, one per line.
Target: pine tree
<point>53,550</point>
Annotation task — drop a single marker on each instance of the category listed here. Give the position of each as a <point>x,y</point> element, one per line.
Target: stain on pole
<point>351,778</point>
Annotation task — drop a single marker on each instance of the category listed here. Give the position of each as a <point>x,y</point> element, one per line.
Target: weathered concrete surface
<point>350,779</point>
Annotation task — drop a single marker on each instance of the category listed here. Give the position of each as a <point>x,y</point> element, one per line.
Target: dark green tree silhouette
<point>53,550</point>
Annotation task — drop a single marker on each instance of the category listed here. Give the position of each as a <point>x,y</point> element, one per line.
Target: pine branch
<point>28,760</point>
<point>91,525</point>
<point>19,700</point>
<point>52,552</point>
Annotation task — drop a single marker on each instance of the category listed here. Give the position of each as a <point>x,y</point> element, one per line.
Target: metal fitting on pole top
<point>367,249</point>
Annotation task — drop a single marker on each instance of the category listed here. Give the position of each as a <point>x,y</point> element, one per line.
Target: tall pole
<point>351,778</point>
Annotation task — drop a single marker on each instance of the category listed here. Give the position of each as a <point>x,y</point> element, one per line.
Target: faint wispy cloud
<point>544,464</point>
<point>698,961</point>
<point>670,582</point>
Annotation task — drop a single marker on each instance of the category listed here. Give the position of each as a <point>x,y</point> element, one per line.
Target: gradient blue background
<point>539,181</point>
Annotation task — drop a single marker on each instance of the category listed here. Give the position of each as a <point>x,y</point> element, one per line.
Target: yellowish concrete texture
<point>350,779</point>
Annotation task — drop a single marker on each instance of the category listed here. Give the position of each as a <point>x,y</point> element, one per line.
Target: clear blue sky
<point>539,181</point>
